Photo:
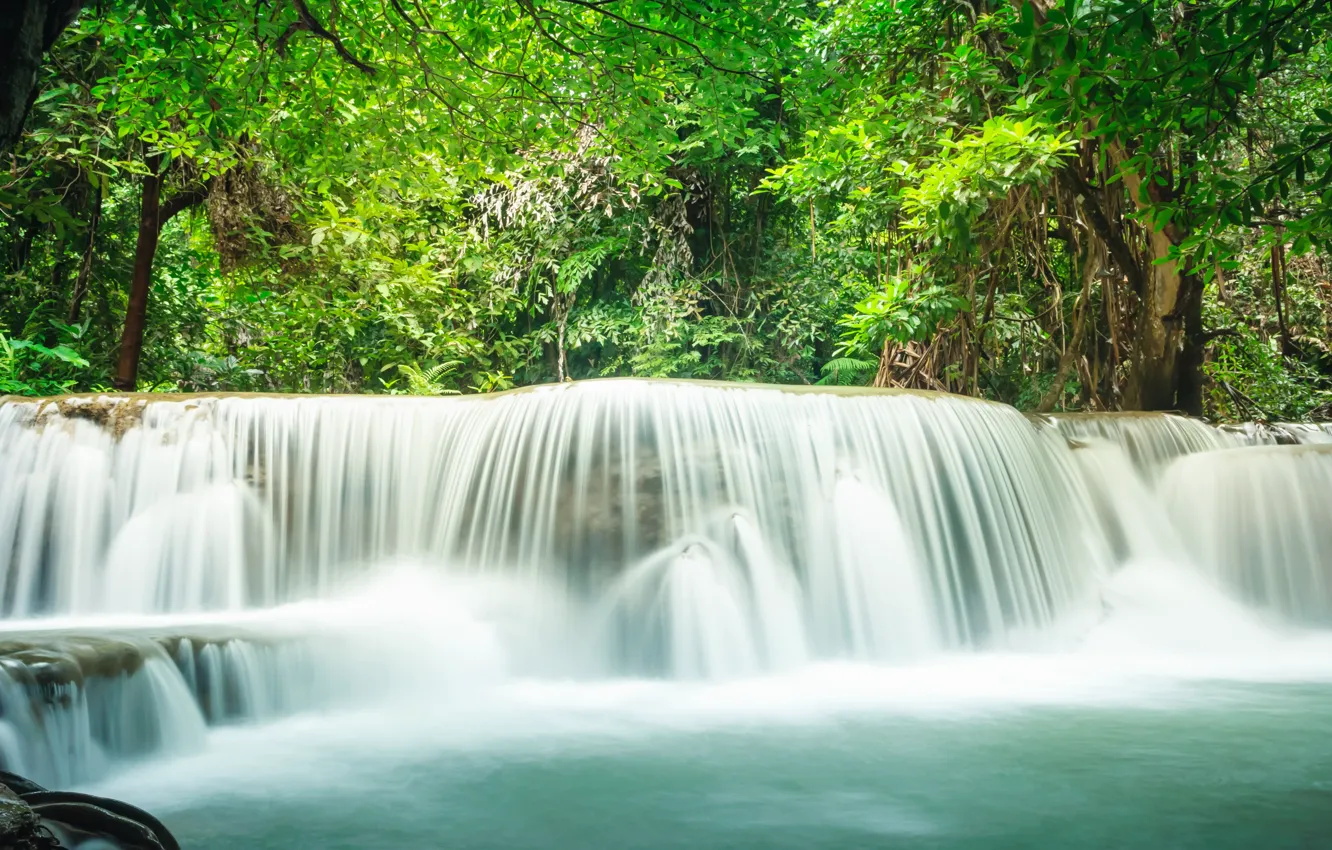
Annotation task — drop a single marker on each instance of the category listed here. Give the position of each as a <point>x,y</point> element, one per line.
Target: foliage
<point>847,371</point>
<point>898,314</point>
<point>27,367</point>
<point>951,193</point>
<point>973,196</point>
<point>1251,380</point>
<point>428,381</point>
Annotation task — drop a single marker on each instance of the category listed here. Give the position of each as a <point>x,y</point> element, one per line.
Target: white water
<point>74,730</point>
<point>1167,631</point>
<point>730,496</point>
<point>801,553</point>
<point>1260,520</point>
<point>1150,440</point>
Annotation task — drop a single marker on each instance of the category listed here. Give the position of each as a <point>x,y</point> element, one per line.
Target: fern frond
<point>847,372</point>
<point>428,381</point>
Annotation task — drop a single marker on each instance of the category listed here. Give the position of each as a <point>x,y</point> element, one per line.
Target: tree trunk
<point>1167,346</point>
<point>136,315</point>
<point>59,271</point>
<point>1166,350</point>
<point>153,216</point>
<point>562,305</point>
<point>1279,294</point>
<point>1189,392</point>
<point>22,250</point>
<point>1152,378</point>
<point>28,28</point>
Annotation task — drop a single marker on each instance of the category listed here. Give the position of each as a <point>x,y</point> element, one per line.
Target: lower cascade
<point>72,705</point>
<point>172,565</point>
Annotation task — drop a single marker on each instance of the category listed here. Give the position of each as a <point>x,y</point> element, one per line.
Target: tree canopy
<point>1092,204</point>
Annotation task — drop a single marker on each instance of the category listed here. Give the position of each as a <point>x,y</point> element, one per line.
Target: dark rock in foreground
<point>32,818</point>
<point>20,828</point>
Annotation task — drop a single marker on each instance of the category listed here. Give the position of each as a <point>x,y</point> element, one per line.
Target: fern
<point>847,372</point>
<point>429,381</point>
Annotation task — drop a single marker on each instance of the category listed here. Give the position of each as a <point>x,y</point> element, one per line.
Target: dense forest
<point>1091,204</point>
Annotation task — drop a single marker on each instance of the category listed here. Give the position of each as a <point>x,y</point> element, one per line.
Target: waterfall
<point>1151,440</point>
<point>1308,433</point>
<point>70,706</point>
<point>74,706</point>
<point>736,496</point>
<point>1260,520</point>
<point>173,564</point>
<point>1127,509</point>
<point>873,590</point>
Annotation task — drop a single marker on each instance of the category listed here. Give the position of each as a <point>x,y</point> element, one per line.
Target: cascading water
<point>1127,511</point>
<point>1280,433</point>
<point>181,562</point>
<point>71,705</point>
<point>728,495</point>
<point>1151,440</point>
<point>1308,433</point>
<point>1261,521</point>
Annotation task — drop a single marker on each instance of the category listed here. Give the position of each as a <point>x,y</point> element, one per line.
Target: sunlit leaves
<point>952,192</point>
<point>907,309</point>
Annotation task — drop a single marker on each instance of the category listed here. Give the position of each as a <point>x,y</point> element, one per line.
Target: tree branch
<point>181,202</point>
<point>594,7</point>
<point>306,21</point>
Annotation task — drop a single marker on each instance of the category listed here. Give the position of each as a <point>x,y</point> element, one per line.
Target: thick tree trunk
<point>1152,377</point>
<point>1189,393</point>
<point>28,28</point>
<point>1166,349</point>
<point>136,315</point>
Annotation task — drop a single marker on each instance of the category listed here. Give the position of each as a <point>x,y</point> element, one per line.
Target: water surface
<point>1179,764</point>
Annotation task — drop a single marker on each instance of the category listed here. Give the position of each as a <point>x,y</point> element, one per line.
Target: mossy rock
<point>70,660</point>
<point>20,828</point>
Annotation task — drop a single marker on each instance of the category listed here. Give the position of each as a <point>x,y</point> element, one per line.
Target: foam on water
<point>1166,630</point>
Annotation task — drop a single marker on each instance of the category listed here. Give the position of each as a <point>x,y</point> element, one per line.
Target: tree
<point>1090,205</point>
<point>28,28</point>
<point>153,215</point>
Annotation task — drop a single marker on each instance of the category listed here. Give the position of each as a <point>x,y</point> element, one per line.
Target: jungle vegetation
<point>1091,204</point>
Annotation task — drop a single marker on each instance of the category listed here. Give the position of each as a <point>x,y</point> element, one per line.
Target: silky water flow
<point>668,614</point>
